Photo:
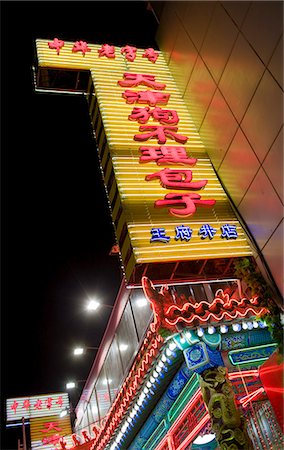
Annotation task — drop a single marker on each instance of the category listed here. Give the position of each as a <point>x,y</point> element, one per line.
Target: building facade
<point>200,341</point>
<point>227,60</point>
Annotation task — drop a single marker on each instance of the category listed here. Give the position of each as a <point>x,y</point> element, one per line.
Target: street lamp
<point>93,305</point>
<point>73,384</point>
<point>81,350</point>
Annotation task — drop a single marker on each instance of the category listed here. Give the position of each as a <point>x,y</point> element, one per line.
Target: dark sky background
<point>56,227</point>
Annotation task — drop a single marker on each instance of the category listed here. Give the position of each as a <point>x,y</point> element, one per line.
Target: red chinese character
<point>15,406</point>
<point>130,52</point>
<point>86,437</point>
<point>107,50</point>
<point>56,44</point>
<point>151,54</point>
<point>55,439</point>
<point>26,405</point>
<point>75,439</point>
<point>177,179</point>
<point>161,133</point>
<point>142,115</point>
<point>164,116</point>
<point>165,155</point>
<point>38,404</point>
<point>59,401</point>
<point>95,430</point>
<point>151,98</point>
<point>51,426</point>
<point>81,46</point>
<point>135,79</point>
<point>62,444</point>
<point>48,402</point>
<point>188,201</point>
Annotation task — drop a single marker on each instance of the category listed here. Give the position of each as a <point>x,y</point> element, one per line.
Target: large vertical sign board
<point>167,202</point>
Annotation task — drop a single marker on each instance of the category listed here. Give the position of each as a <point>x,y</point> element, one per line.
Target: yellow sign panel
<point>160,181</point>
<point>47,432</point>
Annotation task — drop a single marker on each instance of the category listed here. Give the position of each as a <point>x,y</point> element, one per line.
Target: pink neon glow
<point>114,416</point>
<point>136,79</point>
<point>245,373</point>
<point>212,310</point>
<point>224,315</point>
<point>252,396</point>
<point>121,403</point>
<point>194,432</point>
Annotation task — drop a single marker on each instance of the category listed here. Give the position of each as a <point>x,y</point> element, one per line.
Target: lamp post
<point>24,434</point>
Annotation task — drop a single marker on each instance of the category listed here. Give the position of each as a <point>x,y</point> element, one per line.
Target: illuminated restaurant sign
<point>48,429</point>
<point>40,406</point>
<point>51,432</point>
<point>167,202</point>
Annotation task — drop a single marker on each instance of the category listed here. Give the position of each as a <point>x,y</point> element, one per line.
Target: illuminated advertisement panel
<point>166,200</point>
<point>36,406</point>
<point>49,432</point>
<point>48,427</point>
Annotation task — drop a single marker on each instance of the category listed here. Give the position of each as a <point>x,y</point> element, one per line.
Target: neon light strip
<point>264,358</point>
<point>252,396</point>
<point>114,416</point>
<point>225,315</point>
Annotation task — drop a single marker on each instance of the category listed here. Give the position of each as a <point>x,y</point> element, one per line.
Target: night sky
<point>56,228</point>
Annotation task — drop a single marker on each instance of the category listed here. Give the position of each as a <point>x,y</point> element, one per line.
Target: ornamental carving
<point>172,311</point>
<point>227,422</point>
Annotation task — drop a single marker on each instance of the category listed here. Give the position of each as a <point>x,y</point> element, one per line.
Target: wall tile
<point>218,42</point>
<point>276,63</point>
<point>264,116</point>
<point>240,77</point>
<point>261,208</point>
<point>236,10</point>
<point>239,167</point>
<point>197,19</point>
<point>218,129</point>
<point>273,165</point>
<point>166,35</point>
<point>263,27</point>
<point>182,59</point>
<point>199,92</point>
<point>181,9</point>
<point>273,254</point>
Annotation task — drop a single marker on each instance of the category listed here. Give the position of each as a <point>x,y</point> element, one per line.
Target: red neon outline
<point>252,396</point>
<point>195,399</point>
<point>152,344</point>
<point>225,315</point>
<point>114,418</point>
<point>208,309</point>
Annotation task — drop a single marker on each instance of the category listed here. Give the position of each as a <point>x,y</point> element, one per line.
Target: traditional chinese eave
<point>172,312</point>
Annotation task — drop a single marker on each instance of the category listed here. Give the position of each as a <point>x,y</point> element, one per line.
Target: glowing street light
<point>93,305</point>
<point>81,350</point>
<point>141,302</point>
<point>73,384</point>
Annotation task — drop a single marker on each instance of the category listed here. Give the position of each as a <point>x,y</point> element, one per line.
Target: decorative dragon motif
<point>172,311</point>
<point>227,422</point>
